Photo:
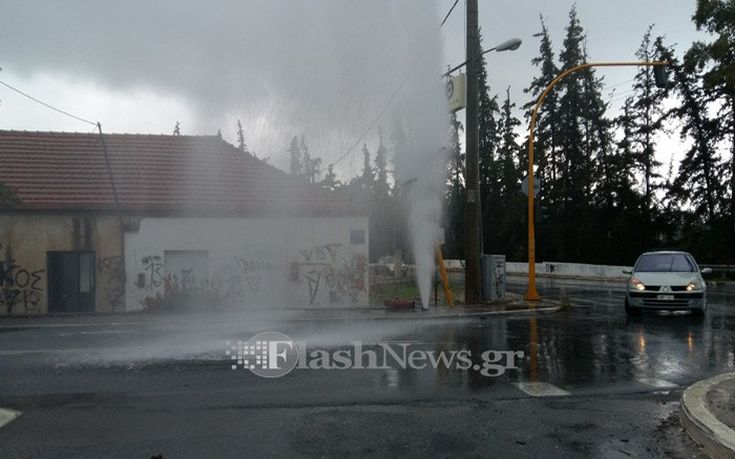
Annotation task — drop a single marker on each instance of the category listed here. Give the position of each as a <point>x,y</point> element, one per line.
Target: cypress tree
<point>716,61</point>
<point>294,152</point>
<point>647,114</point>
<point>512,203</point>
<point>455,196</point>
<point>547,120</point>
<point>574,168</point>
<point>698,179</point>
<point>241,145</point>
<point>381,187</point>
<point>311,167</point>
<point>488,140</point>
<point>330,180</point>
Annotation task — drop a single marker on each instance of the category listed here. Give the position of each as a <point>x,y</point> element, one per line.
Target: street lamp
<point>532,293</point>
<point>508,45</point>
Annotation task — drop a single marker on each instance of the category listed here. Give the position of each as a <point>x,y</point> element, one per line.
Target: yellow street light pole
<point>532,293</point>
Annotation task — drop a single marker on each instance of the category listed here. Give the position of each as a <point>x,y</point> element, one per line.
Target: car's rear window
<point>665,262</point>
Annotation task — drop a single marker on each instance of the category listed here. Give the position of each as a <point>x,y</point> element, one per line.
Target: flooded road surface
<point>585,381</point>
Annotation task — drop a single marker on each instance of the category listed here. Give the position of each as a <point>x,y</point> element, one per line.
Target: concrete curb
<point>546,306</point>
<point>699,422</point>
<point>460,315</point>
<point>7,415</point>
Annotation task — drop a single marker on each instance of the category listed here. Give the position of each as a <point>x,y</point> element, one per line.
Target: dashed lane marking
<point>7,415</point>
<point>42,351</point>
<point>657,383</point>
<point>541,389</point>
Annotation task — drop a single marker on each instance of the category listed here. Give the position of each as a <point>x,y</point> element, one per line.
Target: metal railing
<point>719,268</point>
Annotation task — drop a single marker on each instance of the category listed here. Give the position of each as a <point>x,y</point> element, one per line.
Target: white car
<point>668,280</point>
<point>386,264</point>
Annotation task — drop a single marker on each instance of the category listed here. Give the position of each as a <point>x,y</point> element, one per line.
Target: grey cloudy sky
<point>322,67</point>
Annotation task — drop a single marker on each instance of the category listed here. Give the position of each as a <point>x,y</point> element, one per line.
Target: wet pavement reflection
<point>591,345</point>
<point>615,382</point>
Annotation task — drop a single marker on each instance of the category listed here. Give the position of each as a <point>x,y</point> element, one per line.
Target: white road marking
<point>7,415</point>
<point>583,301</point>
<point>69,325</point>
<point>42,351</point>
<point>100,332</point>
<point>657,383</point>
<point>541,389</point>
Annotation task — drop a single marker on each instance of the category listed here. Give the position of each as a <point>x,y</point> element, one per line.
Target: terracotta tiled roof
<point>153,174</point>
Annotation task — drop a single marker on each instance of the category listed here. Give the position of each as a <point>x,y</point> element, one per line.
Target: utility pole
<point>472,285</point>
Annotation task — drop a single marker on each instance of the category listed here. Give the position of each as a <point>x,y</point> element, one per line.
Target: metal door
<point>70,281</point>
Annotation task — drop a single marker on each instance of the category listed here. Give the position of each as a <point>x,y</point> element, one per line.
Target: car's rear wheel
<point>631,311</point>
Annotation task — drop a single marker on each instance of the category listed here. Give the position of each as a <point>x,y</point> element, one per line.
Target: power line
<point>390,99</point>
<point>620,96</point>
<point>47,105</point>
<point>449,12</point>
<point>620,84</point>
<point>375,120</point>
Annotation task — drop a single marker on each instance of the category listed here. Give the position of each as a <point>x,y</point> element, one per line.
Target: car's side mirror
<point>706,271</point>
<point>627,271</point>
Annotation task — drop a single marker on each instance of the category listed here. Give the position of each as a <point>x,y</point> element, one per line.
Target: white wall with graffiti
<point>247,263</point>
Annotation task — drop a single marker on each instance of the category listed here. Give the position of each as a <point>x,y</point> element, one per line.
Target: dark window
<point>357,236</point>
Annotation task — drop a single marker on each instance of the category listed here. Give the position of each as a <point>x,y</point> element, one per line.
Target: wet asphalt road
<point>138,386</point>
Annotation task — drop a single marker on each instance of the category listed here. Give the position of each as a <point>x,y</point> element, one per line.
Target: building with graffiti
<point>123,222</point>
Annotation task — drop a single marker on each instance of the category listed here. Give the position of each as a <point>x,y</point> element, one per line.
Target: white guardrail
<point>571,270</point>
<point>556,269</point>
<point>579,270</point>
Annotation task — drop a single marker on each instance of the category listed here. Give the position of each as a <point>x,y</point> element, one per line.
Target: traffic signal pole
<point>531,292</point>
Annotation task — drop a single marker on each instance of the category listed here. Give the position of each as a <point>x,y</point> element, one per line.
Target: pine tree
<point>455,195</point>
<point>330,180</point>
<point>509,176</point>
<point>488,140</point>
<point>511,202</point>
<point>547,139</point>
<point>575,161</point>
<point>400,145</point>
<point>698,179</point>
<point>618,171</point>
<point>716,61</point>
<point>305,158</point>
<point>647,114</point>
<point>294,152</point>
<point>366,178</point>
<point>382,205</point>
<point>311,167</point>
<point>488,132</point>
<point>547,120</point>
<point>596,127</point>
<point>241,145</point>
<point>382,187</point>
